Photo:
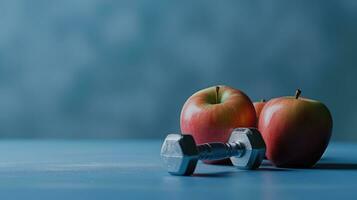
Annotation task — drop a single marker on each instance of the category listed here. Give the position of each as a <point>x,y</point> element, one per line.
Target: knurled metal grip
<point>217,150</point>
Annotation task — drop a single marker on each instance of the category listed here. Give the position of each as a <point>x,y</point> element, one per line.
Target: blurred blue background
<point>123,69</point>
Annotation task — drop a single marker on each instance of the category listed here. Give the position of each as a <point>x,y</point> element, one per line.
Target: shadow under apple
<point>336,166</point>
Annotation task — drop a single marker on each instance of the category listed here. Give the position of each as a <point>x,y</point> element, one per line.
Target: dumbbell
<point>245,148</point>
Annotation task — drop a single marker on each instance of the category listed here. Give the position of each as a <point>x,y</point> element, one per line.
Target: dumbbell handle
<point>218,151</point>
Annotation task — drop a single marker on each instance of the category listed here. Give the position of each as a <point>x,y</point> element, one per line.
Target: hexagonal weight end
<point>179,154</point>
<point>254,145</point>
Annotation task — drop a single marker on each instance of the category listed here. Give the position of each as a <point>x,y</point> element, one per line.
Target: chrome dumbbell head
<point>179,154</point>
<point>254,148</point>
<point>245,148</point>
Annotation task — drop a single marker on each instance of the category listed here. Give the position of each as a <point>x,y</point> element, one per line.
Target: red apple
<point>211,114</point>
<point>296,130</point>
<point>258,106</point>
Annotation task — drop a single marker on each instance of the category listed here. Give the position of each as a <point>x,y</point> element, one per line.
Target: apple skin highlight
<point>296,131</point>
<point>211,114</point>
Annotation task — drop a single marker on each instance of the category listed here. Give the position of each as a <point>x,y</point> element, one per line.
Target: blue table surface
<point>131,169</point>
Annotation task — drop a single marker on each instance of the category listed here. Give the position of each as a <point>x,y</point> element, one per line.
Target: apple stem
<point>217,91</point>
<point>262,100</point>
<point>297,93</point>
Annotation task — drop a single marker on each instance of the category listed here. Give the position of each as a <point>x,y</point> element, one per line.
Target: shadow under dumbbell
<point>336,166</point>
<point>232,173</point>
<point>214,174</point>
<point>273,169</point>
